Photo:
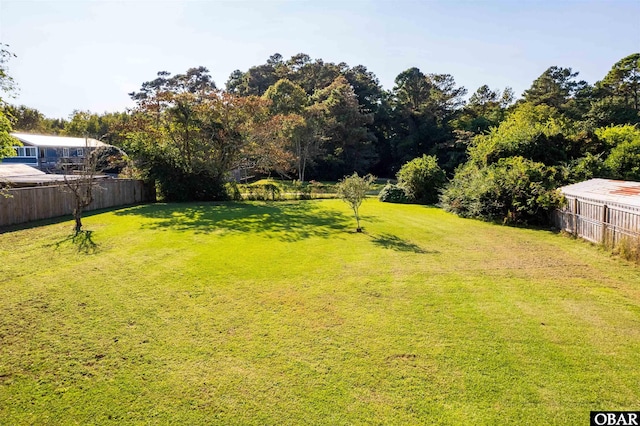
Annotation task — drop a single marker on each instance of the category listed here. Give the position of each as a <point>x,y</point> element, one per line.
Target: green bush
<point>393,194</point>
<point>622,148</point>
<point>422,178</point>
<point>513,190</point>
<point>587,167</point>
<point>176,184</point>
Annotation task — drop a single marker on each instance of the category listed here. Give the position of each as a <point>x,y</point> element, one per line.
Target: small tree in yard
<point>353,190</point>
<point>81,187</point>
<point>83,184</point>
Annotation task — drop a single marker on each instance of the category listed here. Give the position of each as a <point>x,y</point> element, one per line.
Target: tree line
<point>305,118</point>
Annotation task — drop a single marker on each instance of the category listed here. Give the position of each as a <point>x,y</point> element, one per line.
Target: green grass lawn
<point>279,313</point>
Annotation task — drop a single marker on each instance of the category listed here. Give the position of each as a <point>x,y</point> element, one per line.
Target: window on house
<point>65,152</point>
<point>80,152</point>
<point>25,151</point>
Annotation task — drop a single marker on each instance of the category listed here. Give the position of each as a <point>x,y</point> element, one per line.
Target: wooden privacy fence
<point>44,202</point>
<point>598,222</point>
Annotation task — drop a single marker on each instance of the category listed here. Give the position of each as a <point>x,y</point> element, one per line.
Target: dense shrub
<point>624,161</point>
<point>422,178</point>
<point>393,194</point>
<point>175,184</point>
<point>613,136</point>
<point>588,167</point>
<point>513,190</point>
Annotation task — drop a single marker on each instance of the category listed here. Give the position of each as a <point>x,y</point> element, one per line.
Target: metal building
<point>601,210</point>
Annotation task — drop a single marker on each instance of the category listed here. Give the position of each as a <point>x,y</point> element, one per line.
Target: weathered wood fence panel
<point>598,222</point>
<point>44,202</point>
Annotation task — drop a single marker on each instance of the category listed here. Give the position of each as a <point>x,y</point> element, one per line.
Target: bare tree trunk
<point>358,228</point>
<point>78,219</point>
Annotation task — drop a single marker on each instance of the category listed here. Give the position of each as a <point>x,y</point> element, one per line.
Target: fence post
<point>575,216</point>
<point>605,211</point>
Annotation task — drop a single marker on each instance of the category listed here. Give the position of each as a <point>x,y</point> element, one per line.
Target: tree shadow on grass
<point>82,240</point>
<point>396,243</point>
<point>280,220</point>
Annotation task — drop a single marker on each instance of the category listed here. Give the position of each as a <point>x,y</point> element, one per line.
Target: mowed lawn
<point>278,313</point>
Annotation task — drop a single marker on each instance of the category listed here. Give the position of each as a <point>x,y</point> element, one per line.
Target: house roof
<point>57,141</point>
<point>606,191</point>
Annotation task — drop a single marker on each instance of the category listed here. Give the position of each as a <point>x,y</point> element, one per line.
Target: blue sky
<point>89,54</point>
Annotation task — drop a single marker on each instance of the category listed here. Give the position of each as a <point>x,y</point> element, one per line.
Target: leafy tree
<point>555,87</point>
<point>286,97</point>
<point>486,108</point>
<point>366,86</point>
<point>610,110</point>
<point>85,123</point>
<point>269,141</point>
<point>297,127</point>
<point>412,89</point>
<point>257,79</point>
<point>26,119</point>
<point>422,178</point>
<point>196,80</point>
<point>615,99</point>
<point>235,82</point>
<point>187,136</point>
<point>534,132</point>
<point>323,127</point>
<point>422,108</point>
<point>446,97</point>
<point>311,75</point>
<point>6,140</point>
<point>623,161</point>
<point>623,81</point>
<point>307,137</point>
<point>7,87</point>
<point>353,190</point>
<point>348,142</point>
